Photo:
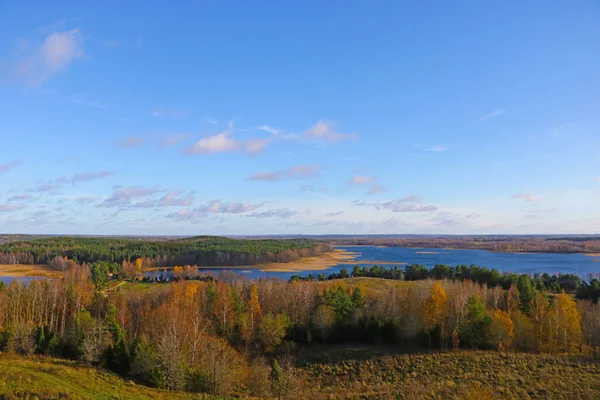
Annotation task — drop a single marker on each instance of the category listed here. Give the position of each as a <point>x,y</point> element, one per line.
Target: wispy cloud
<point>219,206</point>
<point>171,199</point>
<point>173,139</point>
<point>132,142</point>
<point>326,131</point>
<point>334,214</point>
<point>186,215</point>
<point>122,196</point>
<point>280,213</point>
<point>37,63</point>
<point>278,133</point>
<point>4,168</point>
<point>255,146</point>
<point>89,176</point>
<point>493,114</point>
<point>528,197</point>
<point>558,130</point>
<point>71,157</point>
<point>292,173</point>
<point>360,180</point>
<point>451,219</point>
<point>161,112</point>
<point>409,203</point>
<point>375,189</point>
<point>11,207</point>
<point>435,149</point>
<point>84,101</point>
<point>20,197</point>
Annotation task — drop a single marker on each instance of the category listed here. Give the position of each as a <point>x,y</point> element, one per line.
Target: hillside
<point>47,378</point>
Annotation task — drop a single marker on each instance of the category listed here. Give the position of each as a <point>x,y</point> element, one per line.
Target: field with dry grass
<point>460,375</point>
<point>20,270</point>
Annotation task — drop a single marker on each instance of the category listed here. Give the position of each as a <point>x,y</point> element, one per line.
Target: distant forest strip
<point>199,250</point>
<point>504,244</point>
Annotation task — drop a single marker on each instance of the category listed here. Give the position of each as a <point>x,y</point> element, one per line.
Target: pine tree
<point>276,380</point>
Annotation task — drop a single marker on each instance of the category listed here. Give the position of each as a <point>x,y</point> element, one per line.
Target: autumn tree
<point>563,322</point>
<point>433,309</point>
<point>500,330</point>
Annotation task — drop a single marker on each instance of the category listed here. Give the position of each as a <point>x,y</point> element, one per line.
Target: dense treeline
<point>507,244</point>
<point>200,250</point>
<point>214,336</point>
<point>491,277</point>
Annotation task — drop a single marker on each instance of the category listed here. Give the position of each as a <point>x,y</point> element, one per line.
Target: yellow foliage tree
<point>177,272</point>
<point>433,309</point>
<point>254,308</point>
<point>501,330</point>
<point>563,324</point>
<point>139,264</point>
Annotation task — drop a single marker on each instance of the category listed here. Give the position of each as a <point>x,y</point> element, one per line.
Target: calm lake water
<point>524,263</point>
<point>9,279</point>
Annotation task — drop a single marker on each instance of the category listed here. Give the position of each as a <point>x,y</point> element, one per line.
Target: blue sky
<point>300,117</point>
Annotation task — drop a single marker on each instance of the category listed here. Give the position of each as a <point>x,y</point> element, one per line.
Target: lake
<point>523,263</point>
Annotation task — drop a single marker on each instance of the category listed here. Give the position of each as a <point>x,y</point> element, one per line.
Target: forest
<point>199,250</point>
<point>229,336</point>
<point>571,283</point>
<point>497,243</point>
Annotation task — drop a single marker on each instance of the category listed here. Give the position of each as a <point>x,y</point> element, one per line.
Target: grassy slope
<point>48,378</point>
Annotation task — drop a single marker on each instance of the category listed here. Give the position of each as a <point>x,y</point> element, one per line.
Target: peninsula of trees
<point>199,250</point>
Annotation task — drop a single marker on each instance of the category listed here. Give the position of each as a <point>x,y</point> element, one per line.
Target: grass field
<point>47,378</point>
<point>18,270</point>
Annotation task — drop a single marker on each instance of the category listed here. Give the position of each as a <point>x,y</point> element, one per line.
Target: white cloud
<point>292,173</point>
<point>361,180</point>
<point>255,146</point>
<point>58,51</point>
<point>325,130</point>
<point>8,166</point>
<point>493,114</point>
<point>219,143</point>
<point>528,197</point>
